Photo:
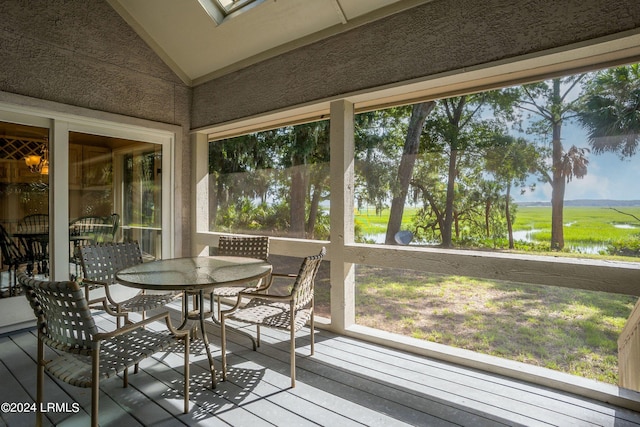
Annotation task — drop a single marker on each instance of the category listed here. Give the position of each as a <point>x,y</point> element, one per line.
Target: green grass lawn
<point>568,330</point>
<point>369,222</point>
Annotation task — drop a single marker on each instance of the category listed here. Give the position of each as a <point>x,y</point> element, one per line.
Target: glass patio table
<point>196,275</point>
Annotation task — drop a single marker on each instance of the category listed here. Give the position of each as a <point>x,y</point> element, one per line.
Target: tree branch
<point>625,213</point>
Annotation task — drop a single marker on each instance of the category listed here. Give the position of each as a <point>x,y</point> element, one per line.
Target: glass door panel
<point>24,202</point>
<point>115,182</point>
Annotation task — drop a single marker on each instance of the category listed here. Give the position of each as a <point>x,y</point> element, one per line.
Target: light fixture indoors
<point>39,163</point>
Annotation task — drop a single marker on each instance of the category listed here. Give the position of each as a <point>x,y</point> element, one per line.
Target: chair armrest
<point>272,276</point>
<point>285,275</point>
<point>253,294</point>
<point>133,326</point>
<point>106,290</point>
<point>105,306</point>
<point>86,281</point>
<point>265,296</point>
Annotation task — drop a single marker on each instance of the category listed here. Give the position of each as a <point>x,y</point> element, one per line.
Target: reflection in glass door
<point>142,203</point>
<point>24,202</point>
<point>116,183</point>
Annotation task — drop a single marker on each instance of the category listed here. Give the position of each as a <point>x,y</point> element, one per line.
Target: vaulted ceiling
<point>197,48</point>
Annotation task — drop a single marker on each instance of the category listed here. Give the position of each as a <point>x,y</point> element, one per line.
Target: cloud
<point>592,186</point>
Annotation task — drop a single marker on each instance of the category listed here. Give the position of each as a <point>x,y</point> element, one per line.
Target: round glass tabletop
<point>184,274</point>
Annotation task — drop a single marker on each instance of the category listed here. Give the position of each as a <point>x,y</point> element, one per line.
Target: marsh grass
<point>568,330</point>
<point>594,225</point>
<point>583,225</point>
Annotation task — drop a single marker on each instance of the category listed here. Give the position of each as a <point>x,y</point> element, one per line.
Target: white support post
<point>59,200</point>
<point>200,218</point>
<point>342,185</point>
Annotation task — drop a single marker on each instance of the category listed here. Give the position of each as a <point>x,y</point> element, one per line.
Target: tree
<point>229,162</point>
<point>305,145</point>
<point>611,111</point>
<point>419,115</point>
<point>457,128</point>
<point>511,161</point>
<point>549,100</point>
<point>377,138</point>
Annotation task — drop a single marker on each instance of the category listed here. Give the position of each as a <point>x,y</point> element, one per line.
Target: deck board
<point>444,386</point>
<point>347,382</point>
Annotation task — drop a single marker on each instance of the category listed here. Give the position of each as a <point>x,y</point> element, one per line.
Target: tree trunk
<point>487,212</point>
<point>313,210</point>
<point>405,170</point>
<point>507,213</point>
<point>558,185</point>
<point>297,211</point>
<point>213,201</point>
<point>447,241</point>
<point>222,201</point>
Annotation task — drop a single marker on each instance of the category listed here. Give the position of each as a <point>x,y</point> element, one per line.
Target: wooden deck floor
<point>347,383</point>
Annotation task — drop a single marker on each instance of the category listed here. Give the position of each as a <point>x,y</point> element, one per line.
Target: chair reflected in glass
<point>101,261</point>
<point>13,256</point>
<point>33,234</point>
<point>289,312</point>
<point>84,355</point>
<point>91,229</point>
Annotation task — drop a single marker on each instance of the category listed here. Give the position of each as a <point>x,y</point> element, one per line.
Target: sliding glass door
<point>24,202</point>
<point>116,182</point>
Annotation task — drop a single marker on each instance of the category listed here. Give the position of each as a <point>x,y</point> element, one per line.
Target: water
<point>525,236</point>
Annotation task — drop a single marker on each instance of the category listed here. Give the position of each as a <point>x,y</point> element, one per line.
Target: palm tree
<point>550,101</point>
<point>611,111</point>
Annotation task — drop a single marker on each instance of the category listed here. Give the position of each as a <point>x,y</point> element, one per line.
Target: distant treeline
<point>586,202</point>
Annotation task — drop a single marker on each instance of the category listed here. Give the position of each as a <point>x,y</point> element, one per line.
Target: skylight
<point>220,10</point>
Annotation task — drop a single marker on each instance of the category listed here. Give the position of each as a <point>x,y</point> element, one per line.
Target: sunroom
<point>136,113</point>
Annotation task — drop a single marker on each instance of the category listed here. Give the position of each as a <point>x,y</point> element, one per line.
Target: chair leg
<point>95,384</point>
<point>293,356</point>
<point>186,373</point>
<point>223,340</point>
<point>313,335</point>
<point>13,289</point>
<point>40,380</point>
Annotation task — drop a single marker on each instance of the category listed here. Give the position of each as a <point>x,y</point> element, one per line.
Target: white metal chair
<point>290,312</point>
<point>87,356</point>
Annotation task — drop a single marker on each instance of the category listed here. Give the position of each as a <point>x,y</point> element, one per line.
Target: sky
<point>607,177</point>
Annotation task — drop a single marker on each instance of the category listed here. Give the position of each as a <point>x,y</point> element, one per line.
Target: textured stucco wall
<point>436,37</point>
<point>82,53</point>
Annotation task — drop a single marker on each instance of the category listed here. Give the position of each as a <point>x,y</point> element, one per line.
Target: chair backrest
<point>244,246</point>
<point>100,228</point>
<point>304,284</point>
<point>64,317</point>
<point>11,252</point>
<point>101,261</point>
<point>35,223</point>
